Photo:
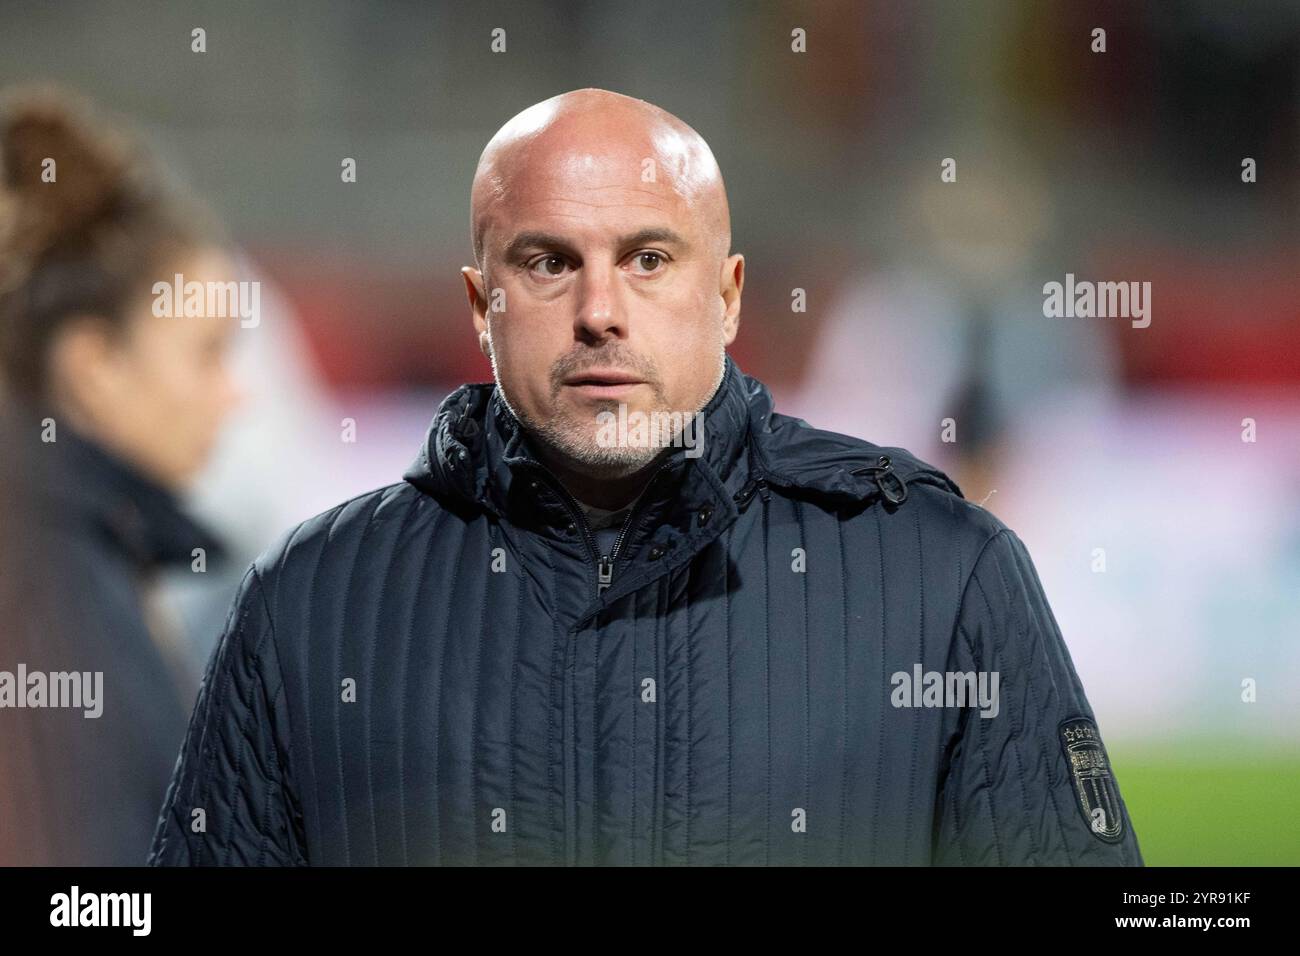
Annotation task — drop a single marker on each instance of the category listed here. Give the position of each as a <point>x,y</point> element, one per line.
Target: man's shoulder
<point>333,538</point>
<point>935,538</point>
<point>963,526</point>
<point>932,506</point>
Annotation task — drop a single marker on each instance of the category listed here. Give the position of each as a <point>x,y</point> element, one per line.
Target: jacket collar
<point>476,452</point>
<point>75,481</point>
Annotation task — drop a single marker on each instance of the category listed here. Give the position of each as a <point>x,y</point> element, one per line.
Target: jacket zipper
<point>605,567</point>
<point>604,563</point>
<point>571,837</point>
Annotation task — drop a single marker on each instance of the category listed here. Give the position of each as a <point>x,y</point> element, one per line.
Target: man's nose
<point>600,310</point>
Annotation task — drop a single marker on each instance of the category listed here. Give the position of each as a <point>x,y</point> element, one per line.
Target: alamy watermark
<point>946,689</point>
<point>194,299</point>
<point>24,688</point>
<point>130,910</point>
<point>656,429</point>
<point>1100,300</point>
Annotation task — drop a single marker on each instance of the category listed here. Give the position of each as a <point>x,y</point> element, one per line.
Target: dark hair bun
<point>93,175</point>
<point>84,241</point>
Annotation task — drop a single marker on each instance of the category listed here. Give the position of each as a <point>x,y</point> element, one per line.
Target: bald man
<point>620,611</point>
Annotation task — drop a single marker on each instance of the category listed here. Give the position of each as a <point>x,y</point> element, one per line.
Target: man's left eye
<point>649,261</point>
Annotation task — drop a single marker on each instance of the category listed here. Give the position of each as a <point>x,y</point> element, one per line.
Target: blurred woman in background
<point>107,412</point>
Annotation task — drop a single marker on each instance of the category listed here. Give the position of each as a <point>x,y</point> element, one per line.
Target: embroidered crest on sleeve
<point>1094,786</point>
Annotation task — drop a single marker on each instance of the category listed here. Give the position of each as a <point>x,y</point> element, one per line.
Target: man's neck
<point>606,493</point>
<point>599,518</point>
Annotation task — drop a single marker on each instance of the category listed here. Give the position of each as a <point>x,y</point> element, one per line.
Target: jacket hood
<point>475,445</point>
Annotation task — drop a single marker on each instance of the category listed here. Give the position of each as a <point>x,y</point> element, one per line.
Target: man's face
<point>602,290</point>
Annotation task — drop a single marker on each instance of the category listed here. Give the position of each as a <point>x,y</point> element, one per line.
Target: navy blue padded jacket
<point>777,664</point>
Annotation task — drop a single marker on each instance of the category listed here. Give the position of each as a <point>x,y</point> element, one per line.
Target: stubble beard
<point>574,441</point>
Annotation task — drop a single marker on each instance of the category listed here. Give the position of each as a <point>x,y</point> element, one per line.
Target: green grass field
<point>1216,803</point>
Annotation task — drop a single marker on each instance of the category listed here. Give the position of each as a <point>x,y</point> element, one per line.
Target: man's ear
<point>475,292</point>
<point>477,295</point>
<point>731,282</point>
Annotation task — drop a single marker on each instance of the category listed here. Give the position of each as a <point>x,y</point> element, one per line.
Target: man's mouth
<point>604,383</point>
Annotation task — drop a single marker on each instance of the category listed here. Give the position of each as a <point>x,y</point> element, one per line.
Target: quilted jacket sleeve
<point>230,800</point>
<point>1031,784</point>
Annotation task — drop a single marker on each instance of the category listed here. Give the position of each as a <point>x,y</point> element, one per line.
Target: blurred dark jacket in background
<point>80,534</point>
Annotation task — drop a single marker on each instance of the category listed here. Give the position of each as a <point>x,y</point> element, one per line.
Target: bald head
<point>608,137</point>
<point>604,281</point>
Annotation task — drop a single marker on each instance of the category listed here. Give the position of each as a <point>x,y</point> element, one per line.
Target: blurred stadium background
<point>924,298</point>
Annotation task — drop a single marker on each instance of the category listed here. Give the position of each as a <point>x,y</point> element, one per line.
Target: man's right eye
<point>548,267</point>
